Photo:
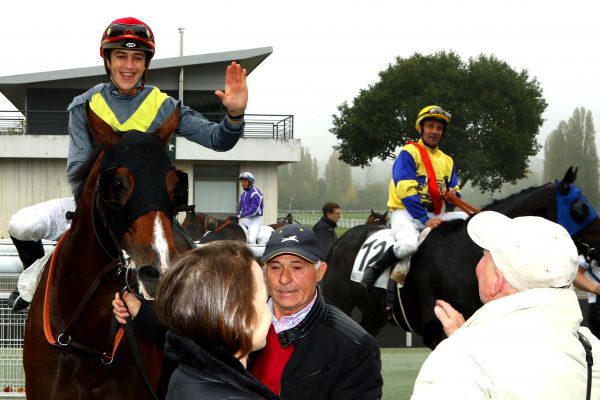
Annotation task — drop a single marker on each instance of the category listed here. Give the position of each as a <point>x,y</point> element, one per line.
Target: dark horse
<point>196,224</point>
<point>444,265</point>
<point>376,218</point>
<point>120,235</point>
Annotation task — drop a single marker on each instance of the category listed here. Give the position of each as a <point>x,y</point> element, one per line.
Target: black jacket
<point>206,372</point>
<point>324,230</point>
<point>334,358</point>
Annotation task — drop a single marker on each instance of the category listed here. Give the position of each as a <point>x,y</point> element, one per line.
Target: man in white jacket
<point>523,343</point>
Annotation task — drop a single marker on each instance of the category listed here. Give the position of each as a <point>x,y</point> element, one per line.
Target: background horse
<point>195,224</point>
<point>444,265</point>
<point>376,218</point>
<point>127,204</point>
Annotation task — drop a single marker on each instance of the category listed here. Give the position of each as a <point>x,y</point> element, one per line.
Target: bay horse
<point>196,224</point>
<point>376,218</point>
<point>444,265</point>
<point>121,234</point>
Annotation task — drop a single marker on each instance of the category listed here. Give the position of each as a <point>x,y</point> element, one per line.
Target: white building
<point>34,141</point>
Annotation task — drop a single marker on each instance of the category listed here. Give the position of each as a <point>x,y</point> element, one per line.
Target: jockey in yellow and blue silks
<point>420,175</point>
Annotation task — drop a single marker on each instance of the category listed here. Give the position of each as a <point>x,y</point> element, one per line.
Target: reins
<point>117,331</point>
<point>223,225</point>
<point>64,337</point>
<point>460,203</point>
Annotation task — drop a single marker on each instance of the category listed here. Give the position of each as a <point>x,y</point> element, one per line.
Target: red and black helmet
<point>130,34</point>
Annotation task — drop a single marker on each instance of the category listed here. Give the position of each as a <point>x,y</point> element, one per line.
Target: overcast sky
<point>325,51</point>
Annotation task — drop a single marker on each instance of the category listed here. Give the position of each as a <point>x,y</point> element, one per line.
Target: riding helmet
<point>433,112</point>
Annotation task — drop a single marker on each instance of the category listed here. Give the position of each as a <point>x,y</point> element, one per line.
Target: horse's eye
<point>579,211</point>
<point>117,183</point>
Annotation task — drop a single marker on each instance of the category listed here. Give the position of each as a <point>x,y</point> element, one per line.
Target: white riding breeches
<point>406,229</point>
<point>45,220</point>
<point>253,225</point>
<point>30,278</point>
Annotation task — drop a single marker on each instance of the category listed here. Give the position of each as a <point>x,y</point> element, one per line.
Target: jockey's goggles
<point>440,111</point>
<point>116,30</point>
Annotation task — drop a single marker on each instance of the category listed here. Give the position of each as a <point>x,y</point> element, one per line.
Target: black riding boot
<point>29,251</point>
<point>373,271</point>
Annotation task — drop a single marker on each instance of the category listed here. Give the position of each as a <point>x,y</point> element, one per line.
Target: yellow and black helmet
<point>433,112</point>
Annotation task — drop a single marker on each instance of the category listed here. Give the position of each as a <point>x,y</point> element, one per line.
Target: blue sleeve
<point>404,168</point>
<point>404,174</point>
<point>220,137</point>
<point>453,184</point>
<point>415,208</point>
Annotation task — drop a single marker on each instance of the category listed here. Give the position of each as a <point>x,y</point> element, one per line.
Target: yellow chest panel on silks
<point>140,120</point>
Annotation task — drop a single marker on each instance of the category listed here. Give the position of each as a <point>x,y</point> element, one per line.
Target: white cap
<point>531,252</point>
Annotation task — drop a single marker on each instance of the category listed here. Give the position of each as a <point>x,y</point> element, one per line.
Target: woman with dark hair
<point>214,302</point>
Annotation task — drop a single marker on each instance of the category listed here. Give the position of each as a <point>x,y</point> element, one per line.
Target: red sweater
<point>269,364</point>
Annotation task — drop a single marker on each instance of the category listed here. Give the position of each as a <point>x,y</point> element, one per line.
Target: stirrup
<point>400,271</point>
<point>17,304</point>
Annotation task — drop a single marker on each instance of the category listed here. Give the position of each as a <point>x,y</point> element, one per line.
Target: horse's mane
<point>513,196</point>
<point>83,171</point>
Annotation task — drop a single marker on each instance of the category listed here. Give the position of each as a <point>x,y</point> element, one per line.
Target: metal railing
<point>310,217</point>
<point>36,122</point>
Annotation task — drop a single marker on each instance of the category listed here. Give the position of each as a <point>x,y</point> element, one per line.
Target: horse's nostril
<point>149,277</point>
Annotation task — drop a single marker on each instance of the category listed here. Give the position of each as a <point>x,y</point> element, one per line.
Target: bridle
<point>123,268</point>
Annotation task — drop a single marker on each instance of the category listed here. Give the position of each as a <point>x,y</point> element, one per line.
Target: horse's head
<point>562,202</point>
<point>134,191</point>
<point>577,215</point>
<point>376,218</point>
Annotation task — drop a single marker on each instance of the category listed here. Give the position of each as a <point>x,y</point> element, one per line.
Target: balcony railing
<point>28,122</point>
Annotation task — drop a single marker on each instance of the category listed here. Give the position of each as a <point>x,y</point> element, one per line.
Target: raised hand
<point>450,318</point>
<point>235,96</point>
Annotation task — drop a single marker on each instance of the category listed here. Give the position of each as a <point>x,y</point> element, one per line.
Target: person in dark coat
<point>324,229</point>
<point>214,303</point>
<point>314,351</point>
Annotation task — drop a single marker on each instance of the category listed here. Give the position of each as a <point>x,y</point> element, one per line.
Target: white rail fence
<point>349,218</point>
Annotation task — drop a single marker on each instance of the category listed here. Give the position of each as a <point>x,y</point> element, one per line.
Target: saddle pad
<point>370,251</point>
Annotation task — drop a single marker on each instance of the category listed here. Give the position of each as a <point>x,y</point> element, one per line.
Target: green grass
<point>400,367</point>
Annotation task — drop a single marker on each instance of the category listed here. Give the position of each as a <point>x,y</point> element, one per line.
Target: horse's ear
<point>372,212</point>
<point>569,178</point>
<point>102,132</point>
<point>385,214</point>
<point>167,128</point>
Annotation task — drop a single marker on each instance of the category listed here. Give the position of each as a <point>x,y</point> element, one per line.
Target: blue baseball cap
<point>293,239</point>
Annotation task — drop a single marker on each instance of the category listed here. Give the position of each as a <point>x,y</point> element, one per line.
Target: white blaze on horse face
<point>160,244</point>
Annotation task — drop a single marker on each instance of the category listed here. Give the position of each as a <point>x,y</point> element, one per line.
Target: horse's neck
<point>533,201</point>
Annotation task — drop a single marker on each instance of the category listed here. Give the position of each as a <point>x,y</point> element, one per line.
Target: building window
<point>216,188</point>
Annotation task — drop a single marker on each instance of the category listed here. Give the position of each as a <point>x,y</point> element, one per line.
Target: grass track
<point>400,367</point>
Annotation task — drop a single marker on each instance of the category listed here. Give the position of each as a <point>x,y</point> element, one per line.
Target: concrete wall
<point>32,168</point>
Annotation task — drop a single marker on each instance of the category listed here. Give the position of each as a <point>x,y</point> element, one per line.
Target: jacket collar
<point>328,222</point>
<point>215,362</point>
<point>309,322</point>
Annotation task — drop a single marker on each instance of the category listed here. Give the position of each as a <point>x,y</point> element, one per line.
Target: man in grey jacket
<point>524,342</point>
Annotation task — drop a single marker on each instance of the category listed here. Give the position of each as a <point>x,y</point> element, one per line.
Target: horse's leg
<point>372,305</point>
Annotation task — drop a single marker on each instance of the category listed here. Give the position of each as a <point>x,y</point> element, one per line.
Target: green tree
<point>297,182</point>
<point>497,113</point>
<point>338,176</point>
<point>573,143</point>
<point>373,196</point>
